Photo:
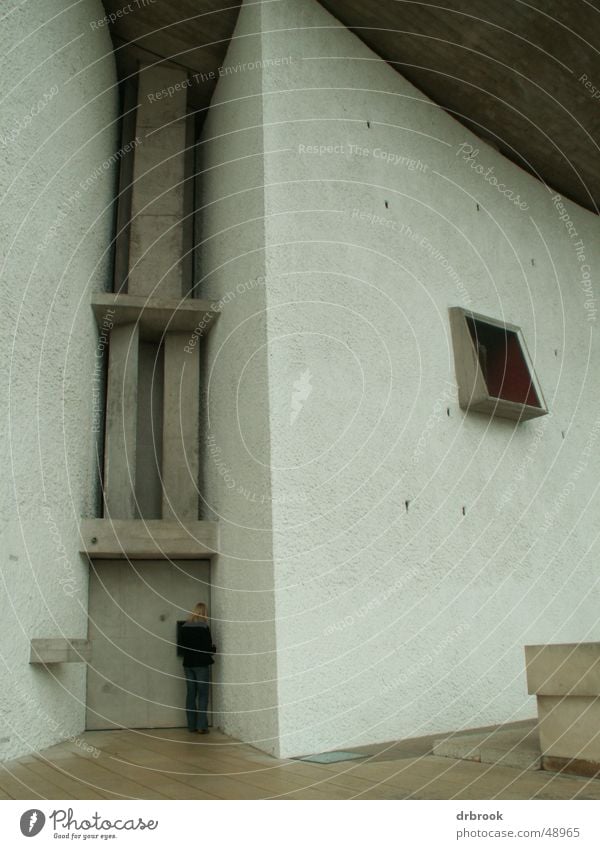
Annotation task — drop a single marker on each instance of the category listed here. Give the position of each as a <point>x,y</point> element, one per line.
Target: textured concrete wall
<point>416,548</point>
<point>236,480</point>
<point>56,139</point>
<point>410,617</point>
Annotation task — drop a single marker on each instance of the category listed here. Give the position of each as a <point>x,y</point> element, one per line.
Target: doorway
<point>135,678</point>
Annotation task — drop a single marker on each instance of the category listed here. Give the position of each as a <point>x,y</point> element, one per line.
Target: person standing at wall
<point>196,645</point>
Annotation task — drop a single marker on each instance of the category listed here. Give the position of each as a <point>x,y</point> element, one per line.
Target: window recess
<point>494,371</point>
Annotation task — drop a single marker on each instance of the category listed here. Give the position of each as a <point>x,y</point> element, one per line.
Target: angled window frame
<point>473,391</point>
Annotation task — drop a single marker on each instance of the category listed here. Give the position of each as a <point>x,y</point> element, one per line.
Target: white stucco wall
<point>59,105</point>
<point>236,488</point>
<point>396,614</point>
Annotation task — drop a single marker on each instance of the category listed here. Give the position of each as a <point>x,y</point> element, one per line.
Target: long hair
<point>199,613</point>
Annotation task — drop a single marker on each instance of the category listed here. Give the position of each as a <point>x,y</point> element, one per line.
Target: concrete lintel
<point>152,539</point>
<point>59,650</point>
<point>155,316</point>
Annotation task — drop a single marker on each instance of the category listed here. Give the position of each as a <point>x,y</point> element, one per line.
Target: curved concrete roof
<point>523,75</point>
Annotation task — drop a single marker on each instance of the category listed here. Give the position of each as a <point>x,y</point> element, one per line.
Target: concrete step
<point>515,745</point>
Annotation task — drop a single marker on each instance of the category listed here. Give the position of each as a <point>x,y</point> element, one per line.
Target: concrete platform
<point>174,764</point>
<point>513,745</point>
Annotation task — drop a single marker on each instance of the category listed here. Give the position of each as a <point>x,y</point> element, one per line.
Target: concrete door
<point>135,678</point>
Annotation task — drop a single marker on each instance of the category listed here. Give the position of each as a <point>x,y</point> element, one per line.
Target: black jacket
<point>196,644</point>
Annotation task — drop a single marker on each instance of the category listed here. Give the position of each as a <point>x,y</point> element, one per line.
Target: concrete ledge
<point>563,669</point>
<point>571,766</point>
<point>153,539</point>
<point>154,316</point>
<point>515,746</point>
<point>59,650</point>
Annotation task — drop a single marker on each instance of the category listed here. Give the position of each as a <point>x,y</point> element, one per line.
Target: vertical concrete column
<point>156,270</point>
<point>121,423</point>
<point>181,422</point>
<point>157,201</point>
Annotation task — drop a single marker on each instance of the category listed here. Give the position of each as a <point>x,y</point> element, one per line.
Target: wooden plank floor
<point>172,764</point>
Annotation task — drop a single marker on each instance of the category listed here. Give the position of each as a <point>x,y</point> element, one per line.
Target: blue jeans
<point>196,679</point>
